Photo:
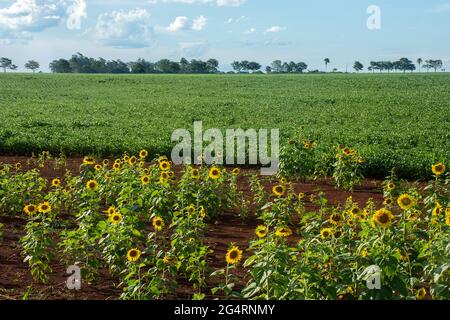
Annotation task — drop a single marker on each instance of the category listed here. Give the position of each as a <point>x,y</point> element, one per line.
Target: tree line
<point>79,63</point>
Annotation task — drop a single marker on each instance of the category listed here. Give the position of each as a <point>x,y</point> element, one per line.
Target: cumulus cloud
<point>23,17</point>
<point>275,29</point>
<point>184,23</point>
<point>220,3</point>
<point>124,29</point>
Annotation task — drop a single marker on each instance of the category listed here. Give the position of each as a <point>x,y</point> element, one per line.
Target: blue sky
<point>260,30</point>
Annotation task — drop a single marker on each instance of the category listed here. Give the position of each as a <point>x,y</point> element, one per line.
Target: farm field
<point>396,120</point>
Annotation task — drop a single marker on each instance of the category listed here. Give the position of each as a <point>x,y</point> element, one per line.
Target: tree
<point>60,66</point>
<point>32,65</point>
<point>254,66</point>
<point>327,61</point>
<point>268,69</point>
<point>184,65</point>
<point>236,65</point>
<point>5,63</point>
<point>419,62</point>
<point>13,67</point>
<point>434,64</point>
<point>405,64</point>
<point>358,66</point>
<point>300,67</point>
<point>277,66</point>
<point>212,66</point>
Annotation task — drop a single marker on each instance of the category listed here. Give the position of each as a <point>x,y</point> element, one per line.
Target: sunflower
<point>116,166</point>
<point>421,293</point>
<point>111,210</point>
<point>234,255</point>
<point>195,173</point>
<point>143,154</point>
<point>29,209</point>
<point>145,180</point>
<point>283,232</point>
<point>18,166</point>
<point>347,151</point>
<point>405,201</point>
<point>118,161</point>
<point>164,175</point>
<point>132,160</point>
<point>283,180</point>
<point>326,233</point>
<point>133,255</point>
<point>236,171</point>
<point>105,162</point>
<point>438,169</point>
<point>364,253</point>
<point>126,158</point>
<point>261,231</point>
<point>115,218</point>
<point>382,218</point>
<point>336,218</point>
<point>164,165</point>
<point>158,223</point>
<point>447,218</point>
<point>88,161</point>
<point>390,186</point>
<point>387,201</point>
<point>202,212</point>
<point>56,182</point>
<point>44,207</point>
<point>162,158</point>
<point>171,174</point>
<point>98,167</point>
<point>169,260</point>
<point>92,185</point>
<point>437,211</point>
<point>301,196</point>
<point>355,211</point>
<point>214,173</point>
<point>191,209</point>
<point>279,190</point>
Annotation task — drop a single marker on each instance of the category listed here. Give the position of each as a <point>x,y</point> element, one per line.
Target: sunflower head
<point>355,211</point>
<point>390,186</point>
<point>143,154</point>
<point>111,210</point>
<point>145,180</point>
<point>105,162</point>
<point>98,167</point>
<point>92,185</point>
<point>326,233</point>
<point>191,209</point>
<point>202,212</point>
<point>382,218</point>
<point>234,255</point>
<point>438,210</point>
<point>158,223</point>
<point>301,196</point>
<point>132,160</point>
<point>279,190</point>
<point>164,176</point>
<point>438,169</point>
<point>236,171</point>
<point>44,207</point>
<point>195,173</point>
<point>133,255</point>
<point>164,165</point>
<point>29,209</point>
<point>116,166</point>
<point>214,173</point>
<point>89,160</point>
<point>18,166</point>
<point>169,260</point>
<point>336,218</point>
<point>283,232</point>
<point>405,201</point>
<point>261,231</point>
<point>56,182</point>
<point>387,201</point>
<point>115,218</point>
<point>447,218</point>
<point>421,293</point>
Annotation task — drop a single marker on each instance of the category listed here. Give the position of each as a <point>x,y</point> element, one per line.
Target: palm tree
<point>419,62</point>
<point>327,61</point>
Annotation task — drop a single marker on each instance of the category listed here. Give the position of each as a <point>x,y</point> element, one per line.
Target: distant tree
<point>184,65</point>
<point>32,65</point>
<point>13,67</point>
<point>404,64</point>
<point>60,66</point>
<point>434,64</point>
<point>358,66</point>
<point>167,66</point>
<point>254,66</point>
<point>236,65</point>
<point>327,61</point>
<point>5,63</point>
<point>245,65</point>
<point>277,66</point>
<point>268,69</point>
<point>300,67</point>
<point>419,62</point>
<point>212,65</point>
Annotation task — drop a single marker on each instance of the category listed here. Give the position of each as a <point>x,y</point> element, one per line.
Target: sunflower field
<point>144,224</point>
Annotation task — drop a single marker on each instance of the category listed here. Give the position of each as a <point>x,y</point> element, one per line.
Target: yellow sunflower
<point>390,186</point>
<point>447,218</point>
<point>145,180</point>
<point>261,231</point>
<point>336,218</point>
<point>202,212</point>
<point>133,255</point>
<point>283,180</point>
<point>405,201</point>
<point>132,160</point>
<point>169,260</point>
<point>89,160</point>
<point>111,210</point>
<point>143,154</point>
<point>301,196</point>
<point>92,185</point>
<point>279,190</point>
<point>438,169</point>
<point>115,218</point>
<point>158,223</point>
<point>195,173</point>
<point>283,232</point>
<point>326,233</point>
<point>29,209</point>
<point>355,211</point>
<point>387,201</point>
<point>18,166</point>
<point>382,218</point>
<point>214,173</point>
<point>191,209</point>
<point>98,167</point>
<point>164,165</point>
<point>105,162</point>
<point>56,182</point>
<point>236,171</point>
<point>438,210</point>
<point>234,255</point>
<point>421,293</point>
<point>44,207</point>
<point>116,166</point>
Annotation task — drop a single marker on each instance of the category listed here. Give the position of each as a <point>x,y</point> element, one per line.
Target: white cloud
<point>124,29</point>
<point>184,23</point>
<point>250,31</point>
<point>275,29</point>
<point>220,3</point>
<point>193,49</point>
<point>23,17</point>
<point>199,23</point>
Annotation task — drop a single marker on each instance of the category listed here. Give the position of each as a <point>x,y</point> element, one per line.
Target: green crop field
<point>399,120</point>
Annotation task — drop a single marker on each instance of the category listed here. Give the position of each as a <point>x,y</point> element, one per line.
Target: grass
<point>397,120</point>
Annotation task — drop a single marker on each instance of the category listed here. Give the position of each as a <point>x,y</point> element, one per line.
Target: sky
<point>227,30</point>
